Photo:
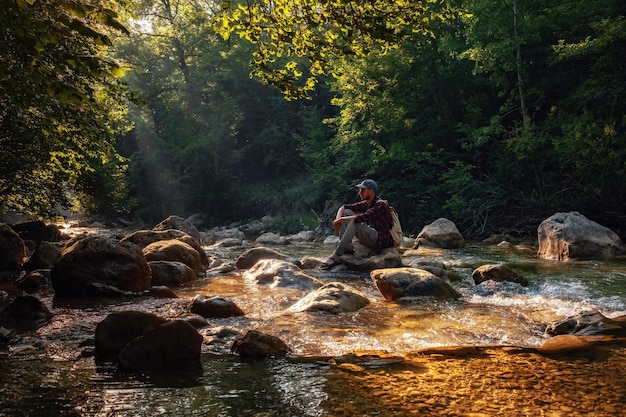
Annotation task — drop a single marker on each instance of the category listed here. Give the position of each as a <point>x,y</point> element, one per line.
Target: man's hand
<point>337,222</point>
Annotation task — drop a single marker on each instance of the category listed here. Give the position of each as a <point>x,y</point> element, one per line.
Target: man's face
<point>366,194</point>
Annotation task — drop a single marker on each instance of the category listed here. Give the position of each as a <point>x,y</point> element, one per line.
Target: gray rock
<point>565,236</point>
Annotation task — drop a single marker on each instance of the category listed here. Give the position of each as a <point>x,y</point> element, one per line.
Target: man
<point>369,220</point>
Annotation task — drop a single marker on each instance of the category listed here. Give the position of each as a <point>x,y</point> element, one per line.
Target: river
<point>371,362</point>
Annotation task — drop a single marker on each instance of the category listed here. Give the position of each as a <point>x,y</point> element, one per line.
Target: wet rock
<point>170,346</point>
<point>309,262</point>
<point>25,313</point>
<point>174,250</point>
<point>565,236</point>
<point>34,279</point>
<point>277,273</point>
<point>214,307</point>
<point>590,323</point>
<point>178,223</point>
<point>497,272</point>
<point>171,273</point>
<point>436,268</point>
<point>144,238</point>
<point>564,344</point>
<point>442,233</point>
<point>395,283</point>
<point>223,237</point>
<point>257,344</point>
<point>44,257</point>
<point>38,231</point>
<point>387,258</point>
<point>119,328</point>
<point>303,236</point>
<point>196,320</point>
<point>12,249</point>
<point>97,261</point>
<point>161,291</point>
<point>253,255</point>
<point>270,238</point>
<point>333,298</point>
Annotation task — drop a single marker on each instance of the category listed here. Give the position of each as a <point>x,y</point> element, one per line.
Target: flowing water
<point>45,374</point>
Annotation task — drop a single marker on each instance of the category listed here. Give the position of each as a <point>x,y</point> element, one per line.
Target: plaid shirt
<point>378,216</point>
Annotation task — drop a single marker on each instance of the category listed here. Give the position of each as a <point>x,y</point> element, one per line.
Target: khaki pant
<point>366,234</point>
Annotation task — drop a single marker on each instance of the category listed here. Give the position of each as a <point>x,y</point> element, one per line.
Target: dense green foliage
<point>493,114</point>
<point>60,105</point>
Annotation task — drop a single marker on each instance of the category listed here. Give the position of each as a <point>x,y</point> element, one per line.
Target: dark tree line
<point>493,114</point>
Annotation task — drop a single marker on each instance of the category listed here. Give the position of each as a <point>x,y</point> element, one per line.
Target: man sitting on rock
<point>369,220</point>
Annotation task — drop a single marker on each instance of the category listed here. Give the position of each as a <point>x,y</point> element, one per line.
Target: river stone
<point>387,258</point>
<point>497,272</point>
<point>44,257</point>
<point>12,249</point>
<point>395,283</point>
<point>170,346</point>
<point>25,312</point>
<point>174,250</point>
<point>94,262</point>
<point>178,223</point>
<point>589,323</point>
<point>253,255</point>
<point>565,236</point>
<point>38,231</point>
<point>120,327</point>
<point>270,238</point>
<point>333,298</point>
<point>277,273</point>
<point>257,344</point>
<point>436,268</point>
<point>171,273</point>
<point>214,307</point>
<point>442,233</point>
<point>145,237</point>
<point>564,344</point>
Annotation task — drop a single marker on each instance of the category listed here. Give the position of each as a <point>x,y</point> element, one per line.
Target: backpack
<point>396,228</point>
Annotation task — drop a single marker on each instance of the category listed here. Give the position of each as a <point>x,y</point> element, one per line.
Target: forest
<point>493,114</point>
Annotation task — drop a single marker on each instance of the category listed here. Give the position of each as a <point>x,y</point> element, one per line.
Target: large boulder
<point>175,250</point>
<point>178,223</point>
<point>12,249</point>
<point>117,329</point>
<point>25,313</point>
<point>565,236</point>
<point>170,346</point>
<point>253,255</point>
<point>145,237</point>
<point>497,272</point>
<point>171,273</point>
<point>95,262</point>
<point>395,283</point>
<point>442,233</point>
<point>277,273</point>
<point>333,298</point>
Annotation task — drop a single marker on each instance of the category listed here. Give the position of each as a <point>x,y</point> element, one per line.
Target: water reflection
<point>50,378</point>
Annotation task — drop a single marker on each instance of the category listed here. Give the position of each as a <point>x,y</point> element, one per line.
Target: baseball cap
<point>371,184</point>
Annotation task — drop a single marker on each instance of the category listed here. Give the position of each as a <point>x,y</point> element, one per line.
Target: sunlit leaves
<point>318,31</point>
<point>61,97</point>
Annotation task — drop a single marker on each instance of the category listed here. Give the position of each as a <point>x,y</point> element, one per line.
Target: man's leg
<point>367,235</point>
<point>346,234</point>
